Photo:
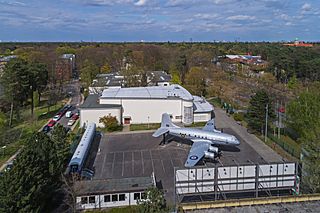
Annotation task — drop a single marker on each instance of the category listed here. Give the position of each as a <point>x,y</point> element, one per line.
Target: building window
<point>122,197</point>
<point>107,198</point>
<point>136,196</point>
<point>92,199</point>
<point>143,195</point>
<point>114,198</point>
<point>84,200</point>
<point>179,117</point>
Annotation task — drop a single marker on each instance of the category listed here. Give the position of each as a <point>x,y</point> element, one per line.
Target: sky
<point>162,20</point>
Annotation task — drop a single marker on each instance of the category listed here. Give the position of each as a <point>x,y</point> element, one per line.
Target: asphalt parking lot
<point>139,154</point>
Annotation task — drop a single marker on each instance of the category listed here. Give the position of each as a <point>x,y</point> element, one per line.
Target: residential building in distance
<point>116,80</point>
<point>298,43</point>
<point>65,67</point>
<point>142,105</point>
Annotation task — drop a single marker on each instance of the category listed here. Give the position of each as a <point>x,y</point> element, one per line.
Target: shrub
<point>238,117</point>
<point>110,123</point>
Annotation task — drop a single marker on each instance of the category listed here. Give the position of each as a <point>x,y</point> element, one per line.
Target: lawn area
<point>14,138</point>
<point>137,127</point>
<point>198,124</point>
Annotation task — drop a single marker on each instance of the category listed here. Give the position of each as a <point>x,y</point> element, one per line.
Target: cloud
<point>241,18</point>
<point>205,16</point>
<point>12,3</point>
<point>306,7</point>
<point>140,3</point>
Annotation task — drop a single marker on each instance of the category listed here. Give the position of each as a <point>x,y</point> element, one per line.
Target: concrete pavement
<point>224,121</point>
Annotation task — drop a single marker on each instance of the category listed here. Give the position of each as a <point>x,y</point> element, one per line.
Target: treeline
<point>284,61</point>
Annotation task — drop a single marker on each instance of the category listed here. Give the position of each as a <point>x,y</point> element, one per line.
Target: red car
<point>75,117</point>
<point>51,123</point>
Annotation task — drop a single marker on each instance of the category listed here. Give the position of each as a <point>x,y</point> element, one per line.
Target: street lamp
<point>148,121</point>
<point>4,147</point>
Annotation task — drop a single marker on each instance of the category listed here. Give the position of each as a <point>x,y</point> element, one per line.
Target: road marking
<point>142,163</point>
<point>103,164</point>
<point>163,166</point>
<point>122,163</point>
<point>114,158</point>
<point>151,161</point>
<point>132,163</point>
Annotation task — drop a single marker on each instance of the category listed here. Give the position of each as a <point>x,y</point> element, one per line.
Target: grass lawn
<point>137,127</point>
<point>14,138</point>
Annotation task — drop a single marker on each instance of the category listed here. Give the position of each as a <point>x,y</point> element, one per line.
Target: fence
<point>295,152</point>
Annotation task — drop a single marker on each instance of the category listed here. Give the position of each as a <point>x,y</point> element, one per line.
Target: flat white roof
<point>153,92</point>
<point>201,105</point>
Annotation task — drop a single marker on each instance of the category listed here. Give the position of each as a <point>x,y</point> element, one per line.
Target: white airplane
<point>204,140</point>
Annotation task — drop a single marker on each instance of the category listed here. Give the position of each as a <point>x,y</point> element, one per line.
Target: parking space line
<point>142,163</point>
<point>163,166</point>
<point>122,163</point>
<point>151,161</point>
<point>103,164</point>
<point>114,158</point>
<point>132,162</point>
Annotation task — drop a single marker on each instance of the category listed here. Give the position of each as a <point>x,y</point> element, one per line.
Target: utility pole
<point>279,120</point>
<point>266,128</point>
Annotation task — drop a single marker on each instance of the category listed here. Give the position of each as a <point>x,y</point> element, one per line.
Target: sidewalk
<point>224,121</point>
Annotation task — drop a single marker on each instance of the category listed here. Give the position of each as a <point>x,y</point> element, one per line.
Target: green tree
<point>110,123</point>
<point>303,112</point>
<point>88,72</point>
<point>155,201</point>
<point>105,68</point>
<point>257,111</point>
<point>38,78</point>
<point>31,185</point>
<point>195,81</point>
<point>15,81</point>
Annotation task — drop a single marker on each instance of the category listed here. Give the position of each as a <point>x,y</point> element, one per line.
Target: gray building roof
<point>153,92</point>
<point>92,102</point>
<point>200,105</point>
<point>93,187</point>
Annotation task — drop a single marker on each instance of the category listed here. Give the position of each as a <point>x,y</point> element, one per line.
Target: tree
<point>311,160</point>
<point>303,112</point>
<point>257,111</point>
<point>182,66</point>
<point>195,81</point>
<point>110,122</point>
<point>105,68</point>
<point>88,72</point>
<point>31,185</point>
<point>38,78</point>
<point>15,81</point>
<point>155,201</point>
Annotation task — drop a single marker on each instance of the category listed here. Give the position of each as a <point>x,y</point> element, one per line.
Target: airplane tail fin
<point>166,123</point>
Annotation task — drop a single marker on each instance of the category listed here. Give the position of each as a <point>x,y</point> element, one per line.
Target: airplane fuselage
<point>214,137</point>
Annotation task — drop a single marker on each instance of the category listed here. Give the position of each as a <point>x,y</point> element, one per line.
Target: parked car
<point>51,123</point>
<point>71,122</point>
<point>75,117</point>
<point>46,129</point>
<point>57,116</point>
<point>69,114</point>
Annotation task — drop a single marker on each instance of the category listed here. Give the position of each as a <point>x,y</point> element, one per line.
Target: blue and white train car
<point>79,156</point>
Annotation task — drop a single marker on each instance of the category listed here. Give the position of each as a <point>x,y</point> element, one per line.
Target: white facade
<point>94,115</point>
<point>109,200</point>
<point>138,105</point>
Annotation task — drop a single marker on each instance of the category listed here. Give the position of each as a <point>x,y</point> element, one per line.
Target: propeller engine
<point>214,149</point>
<point>209,155</point>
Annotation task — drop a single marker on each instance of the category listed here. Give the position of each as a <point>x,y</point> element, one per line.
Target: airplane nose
<point>237,142</point>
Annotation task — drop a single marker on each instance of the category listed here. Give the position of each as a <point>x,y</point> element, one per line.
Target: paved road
<point>74,89</point>
<point>224,121</point>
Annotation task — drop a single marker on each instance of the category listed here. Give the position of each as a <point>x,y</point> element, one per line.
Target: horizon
<point>159,21</point>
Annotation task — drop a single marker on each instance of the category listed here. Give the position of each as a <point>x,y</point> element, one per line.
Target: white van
<point>68,114</point>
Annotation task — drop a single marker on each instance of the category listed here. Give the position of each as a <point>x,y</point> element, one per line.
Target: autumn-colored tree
<point>195,81</point>
<point>110,123</point>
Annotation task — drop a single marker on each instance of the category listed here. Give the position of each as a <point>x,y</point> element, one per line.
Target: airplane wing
<point>210,127</point>
<point>197,152</point>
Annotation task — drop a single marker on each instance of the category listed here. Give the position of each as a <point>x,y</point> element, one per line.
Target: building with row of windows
<point>98,194</point>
